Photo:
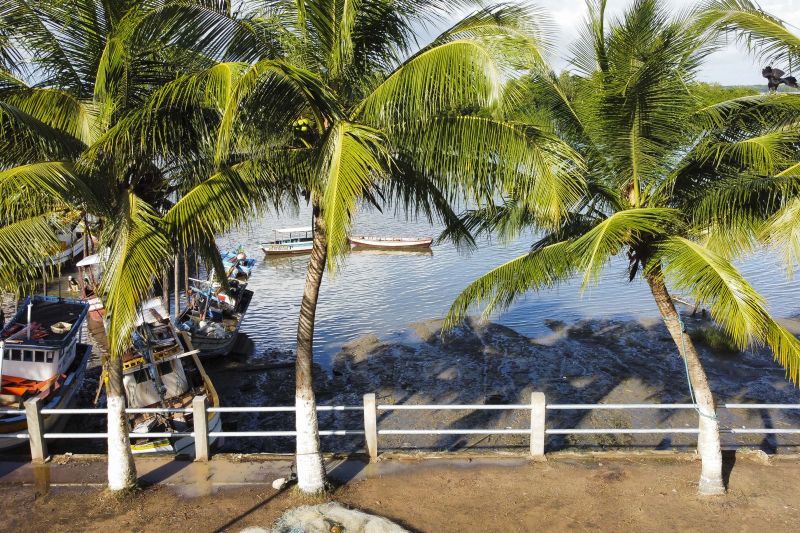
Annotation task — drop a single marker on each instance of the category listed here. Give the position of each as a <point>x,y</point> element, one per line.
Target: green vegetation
<point>163,123</point>
<point>716,339</point>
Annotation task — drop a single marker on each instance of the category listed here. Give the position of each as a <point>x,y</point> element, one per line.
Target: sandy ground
<point>570,492</point>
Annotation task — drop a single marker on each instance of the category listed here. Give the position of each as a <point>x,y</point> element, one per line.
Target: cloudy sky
<point>732,66</point>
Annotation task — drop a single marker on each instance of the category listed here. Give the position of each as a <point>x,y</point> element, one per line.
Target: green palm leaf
<point>498,288</point>
<point>352,159</point>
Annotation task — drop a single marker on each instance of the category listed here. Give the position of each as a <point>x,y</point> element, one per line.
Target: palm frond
<point>499,287</point>
<point>622,230</point>
<point>352,159</point>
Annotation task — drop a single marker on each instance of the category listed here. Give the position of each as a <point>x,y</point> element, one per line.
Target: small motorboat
<point>295,241</point>
<point>213,316</point>
<point>237,264</point>
<point>391,242</point>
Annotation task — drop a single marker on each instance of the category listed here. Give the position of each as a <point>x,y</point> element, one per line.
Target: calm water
<point>382,293</point>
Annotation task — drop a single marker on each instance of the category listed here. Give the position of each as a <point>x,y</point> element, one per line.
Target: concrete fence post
<point>33,413</point>
<point>538,406</point>
<point>200,419</point>
<point>371,425</point>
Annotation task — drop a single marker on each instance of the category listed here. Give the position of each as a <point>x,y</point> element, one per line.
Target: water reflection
<point>381,292</point>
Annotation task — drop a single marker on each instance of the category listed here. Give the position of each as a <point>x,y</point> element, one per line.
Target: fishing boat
<point>40,357</point>
<point>213,316</point>
<point>159,372</point>
<point>237,264</point>
<point>390,242</point>
<point>294,241</point>
<point>88,285</point>
<point>71,244</point>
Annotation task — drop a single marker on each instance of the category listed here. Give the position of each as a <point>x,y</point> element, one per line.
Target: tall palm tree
<point>93,65</point>
<point>338,99</point>
<point>677,181</point>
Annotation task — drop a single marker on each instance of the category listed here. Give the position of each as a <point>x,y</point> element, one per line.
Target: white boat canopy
<point>89,260</point>
<point>305,229</point>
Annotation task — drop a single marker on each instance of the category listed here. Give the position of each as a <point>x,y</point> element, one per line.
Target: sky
<point>731,66</point>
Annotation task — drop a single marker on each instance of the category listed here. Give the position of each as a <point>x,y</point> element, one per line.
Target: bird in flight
<point>775,78</point>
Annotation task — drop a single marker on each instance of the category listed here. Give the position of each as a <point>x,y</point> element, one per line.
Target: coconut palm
<point>677,180</point>
<point>89,66</point>
<point>337,98</point>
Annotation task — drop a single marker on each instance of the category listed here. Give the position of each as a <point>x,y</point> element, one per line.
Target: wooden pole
<point>176,288</point>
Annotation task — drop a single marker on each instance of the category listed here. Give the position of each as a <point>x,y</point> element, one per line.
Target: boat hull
<point>378,242</point>
<point>64,398</point>
<point>209,347</point>
<point>179,445</point>
<point>271,249</point>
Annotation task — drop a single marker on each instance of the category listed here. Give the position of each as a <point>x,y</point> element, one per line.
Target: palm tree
<point>95,65</point>
<point>677,180</point>
<point>337,99</point>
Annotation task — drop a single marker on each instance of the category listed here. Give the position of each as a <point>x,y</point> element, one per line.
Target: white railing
<point>537,431</point>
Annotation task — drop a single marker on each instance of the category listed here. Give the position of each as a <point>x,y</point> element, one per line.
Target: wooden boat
<point>296,241</point>
<point>40,356</point>
<point>213,317</point>
<point>237,264</point>
<point>90,270</point>
<point>390,242</point>
<point>159,371</point>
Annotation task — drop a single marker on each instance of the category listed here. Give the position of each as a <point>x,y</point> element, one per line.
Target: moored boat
<point>159,371</point>
<point>71,242</point>
<point>237,264</point>
<point>88,284</point>
<point>391,242</point>
<point>213,316</point>
<point>296,241</point>
<point>40,356</point>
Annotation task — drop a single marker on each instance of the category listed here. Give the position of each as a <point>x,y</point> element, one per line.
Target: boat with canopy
<point>293,241</point>
<point>41,356</point>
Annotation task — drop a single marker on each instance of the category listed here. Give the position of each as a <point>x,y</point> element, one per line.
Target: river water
<point>382,293</point>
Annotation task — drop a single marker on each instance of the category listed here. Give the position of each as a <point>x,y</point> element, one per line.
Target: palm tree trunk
<point>708,444</point>
<point>310,468</point>
<point>165,289</point>
<point>121,468</point>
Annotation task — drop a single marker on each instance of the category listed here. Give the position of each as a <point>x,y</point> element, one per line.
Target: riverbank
<point>579,492</point>
<point>590,361</point>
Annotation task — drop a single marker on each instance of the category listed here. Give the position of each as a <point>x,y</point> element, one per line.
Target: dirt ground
<point>568,493</point>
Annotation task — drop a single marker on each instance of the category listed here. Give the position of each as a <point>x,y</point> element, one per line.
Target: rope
<point>679,320</point>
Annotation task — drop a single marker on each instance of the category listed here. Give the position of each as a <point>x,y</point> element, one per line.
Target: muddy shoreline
<point>589,361</point>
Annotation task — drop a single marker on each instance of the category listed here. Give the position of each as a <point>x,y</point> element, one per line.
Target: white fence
<point>537,431</point>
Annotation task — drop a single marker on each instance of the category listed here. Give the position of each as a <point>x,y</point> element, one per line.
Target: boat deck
<point>45,314</point>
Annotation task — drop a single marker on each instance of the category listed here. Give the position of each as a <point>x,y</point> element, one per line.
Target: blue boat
<point>40,356</point>
<point>237,264</point>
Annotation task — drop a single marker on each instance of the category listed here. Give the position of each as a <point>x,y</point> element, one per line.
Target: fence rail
<point>37,436</point>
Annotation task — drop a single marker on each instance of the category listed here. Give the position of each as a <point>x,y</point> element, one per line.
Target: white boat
<point>90,270</point>
<point>40,356</point>
<point>158,371</point>
<point>294,241</point>
<point>391,242</point>
<point>72,244</point>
